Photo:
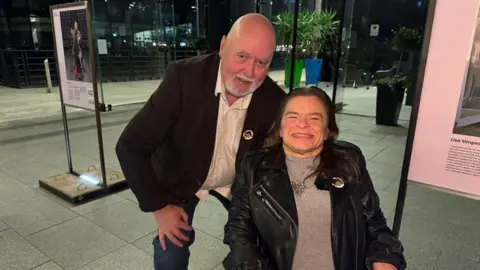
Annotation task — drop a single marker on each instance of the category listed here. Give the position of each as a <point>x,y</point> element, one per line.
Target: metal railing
<point>26,68</point>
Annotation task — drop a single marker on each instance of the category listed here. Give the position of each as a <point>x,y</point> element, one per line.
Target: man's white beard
<point>229,86</point>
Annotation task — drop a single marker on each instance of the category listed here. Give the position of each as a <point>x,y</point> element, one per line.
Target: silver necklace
<point>299,187</point>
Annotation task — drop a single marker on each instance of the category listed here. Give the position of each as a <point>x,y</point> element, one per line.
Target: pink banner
<point>446,147</point>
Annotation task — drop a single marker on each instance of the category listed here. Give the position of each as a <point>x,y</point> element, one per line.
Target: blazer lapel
<point>210,106</point>
<point>251,138</point>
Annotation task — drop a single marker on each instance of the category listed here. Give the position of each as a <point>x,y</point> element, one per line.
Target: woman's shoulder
<point>348,146</point>
<point>352,150</point>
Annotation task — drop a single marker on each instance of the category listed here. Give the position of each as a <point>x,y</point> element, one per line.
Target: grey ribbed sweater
<point>313,249</point>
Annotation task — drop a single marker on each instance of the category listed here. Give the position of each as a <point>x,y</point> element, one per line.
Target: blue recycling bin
<point>313,68</point>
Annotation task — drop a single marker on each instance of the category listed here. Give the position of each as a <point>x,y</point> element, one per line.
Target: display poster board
<point>72,31</point>
<point>446,144</point>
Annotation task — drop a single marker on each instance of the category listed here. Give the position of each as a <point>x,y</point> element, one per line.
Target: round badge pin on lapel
<point>248,134</point>
<point>338,182</point>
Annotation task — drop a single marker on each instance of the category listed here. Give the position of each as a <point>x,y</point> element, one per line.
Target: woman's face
<point>304,126</point>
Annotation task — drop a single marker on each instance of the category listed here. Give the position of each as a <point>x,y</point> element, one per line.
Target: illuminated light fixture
<point>89,179</point>
<point>154,44</point>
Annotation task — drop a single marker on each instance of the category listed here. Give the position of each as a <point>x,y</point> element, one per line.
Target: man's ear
<point>223,44</point>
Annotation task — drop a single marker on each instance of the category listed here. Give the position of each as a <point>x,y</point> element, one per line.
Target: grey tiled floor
<point>40,231</point>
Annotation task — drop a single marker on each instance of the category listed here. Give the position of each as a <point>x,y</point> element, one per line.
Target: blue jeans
<point>175,257</point>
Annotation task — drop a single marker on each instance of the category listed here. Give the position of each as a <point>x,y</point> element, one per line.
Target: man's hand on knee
<point>170,221</point>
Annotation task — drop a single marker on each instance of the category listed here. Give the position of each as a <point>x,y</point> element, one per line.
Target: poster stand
<point>402,189</point>
<point>442,150</point>
<point>77,73</point>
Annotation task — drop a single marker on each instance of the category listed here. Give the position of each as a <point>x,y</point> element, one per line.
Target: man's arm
<point>143,135</point>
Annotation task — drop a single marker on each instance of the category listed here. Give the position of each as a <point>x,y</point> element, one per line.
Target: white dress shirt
<point>229,131</point>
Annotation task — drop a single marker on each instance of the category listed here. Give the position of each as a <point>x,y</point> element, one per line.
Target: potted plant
<point>408,41</point>
<point>320,32</point>
<point>283,23</point>
<point>390,92</point>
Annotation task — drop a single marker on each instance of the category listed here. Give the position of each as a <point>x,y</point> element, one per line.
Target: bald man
<point>185,143</point>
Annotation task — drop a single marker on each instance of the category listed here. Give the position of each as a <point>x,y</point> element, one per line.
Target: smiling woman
<point>306,201</point>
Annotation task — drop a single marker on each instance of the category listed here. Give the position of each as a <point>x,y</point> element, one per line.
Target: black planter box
<point>389,104</point>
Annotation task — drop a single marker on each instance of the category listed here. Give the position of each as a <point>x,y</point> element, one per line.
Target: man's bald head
<point>246,54</point>
<point>253,24</point>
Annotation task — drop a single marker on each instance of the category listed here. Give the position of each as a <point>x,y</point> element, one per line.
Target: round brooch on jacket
<point>338,182</point>
<point>248,134</point>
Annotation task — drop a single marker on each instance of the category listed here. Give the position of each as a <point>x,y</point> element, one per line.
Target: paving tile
<point>75,243</point>
<point>420,256</point>
<point>361,129</point>
<point>35,214</point>
<point>48,266</point>
<point>394,185</point>
<point>213,200</point>
<point>37,169</point>
<point>145,243</point>
<point>3,226</point>
<point>390,156</point>
<point>4,177</point>
<point>125,220</point>
<point>219,267</point>
<point>210,218</point>
<point>399,141</point>
<point>441,233</point>
<point>128,194</point>
<point>387,202</point>
<point>14,192</point>
<point>127,257</point>
<point>358,139</point>
<point>381,182</point>
<point>193,265</point>
<point>449,261</point>
<point>97,204</point>
<point>385,170</point>
<point>437,205</point>
<point>13,155</point>
<point>17,253</point>
<point>207,244</point>
<point>48,194</point>
<point>370,153</point>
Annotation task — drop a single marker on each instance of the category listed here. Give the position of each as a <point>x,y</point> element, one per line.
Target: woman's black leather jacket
<point>262,226</point>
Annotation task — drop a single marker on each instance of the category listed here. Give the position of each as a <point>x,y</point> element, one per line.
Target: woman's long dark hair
<point>334,161</point>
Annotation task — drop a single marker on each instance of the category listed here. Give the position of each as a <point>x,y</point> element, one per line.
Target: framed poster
<point>468,111</point>
<point>445,152</point>
<point>75,54</point>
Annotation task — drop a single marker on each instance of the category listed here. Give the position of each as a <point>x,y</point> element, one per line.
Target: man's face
<point>245,63</point>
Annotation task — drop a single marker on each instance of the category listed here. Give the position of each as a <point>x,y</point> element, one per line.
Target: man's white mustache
<point>245,78</point>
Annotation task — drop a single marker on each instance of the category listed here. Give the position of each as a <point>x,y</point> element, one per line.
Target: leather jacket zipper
<point>269,206</point>
<point>274,212</point>
<point>280,207</point>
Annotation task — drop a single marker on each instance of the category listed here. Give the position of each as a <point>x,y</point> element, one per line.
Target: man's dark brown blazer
<point>166,149</point>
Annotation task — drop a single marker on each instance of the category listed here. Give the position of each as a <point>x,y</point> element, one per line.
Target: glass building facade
<point>143,37</point>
